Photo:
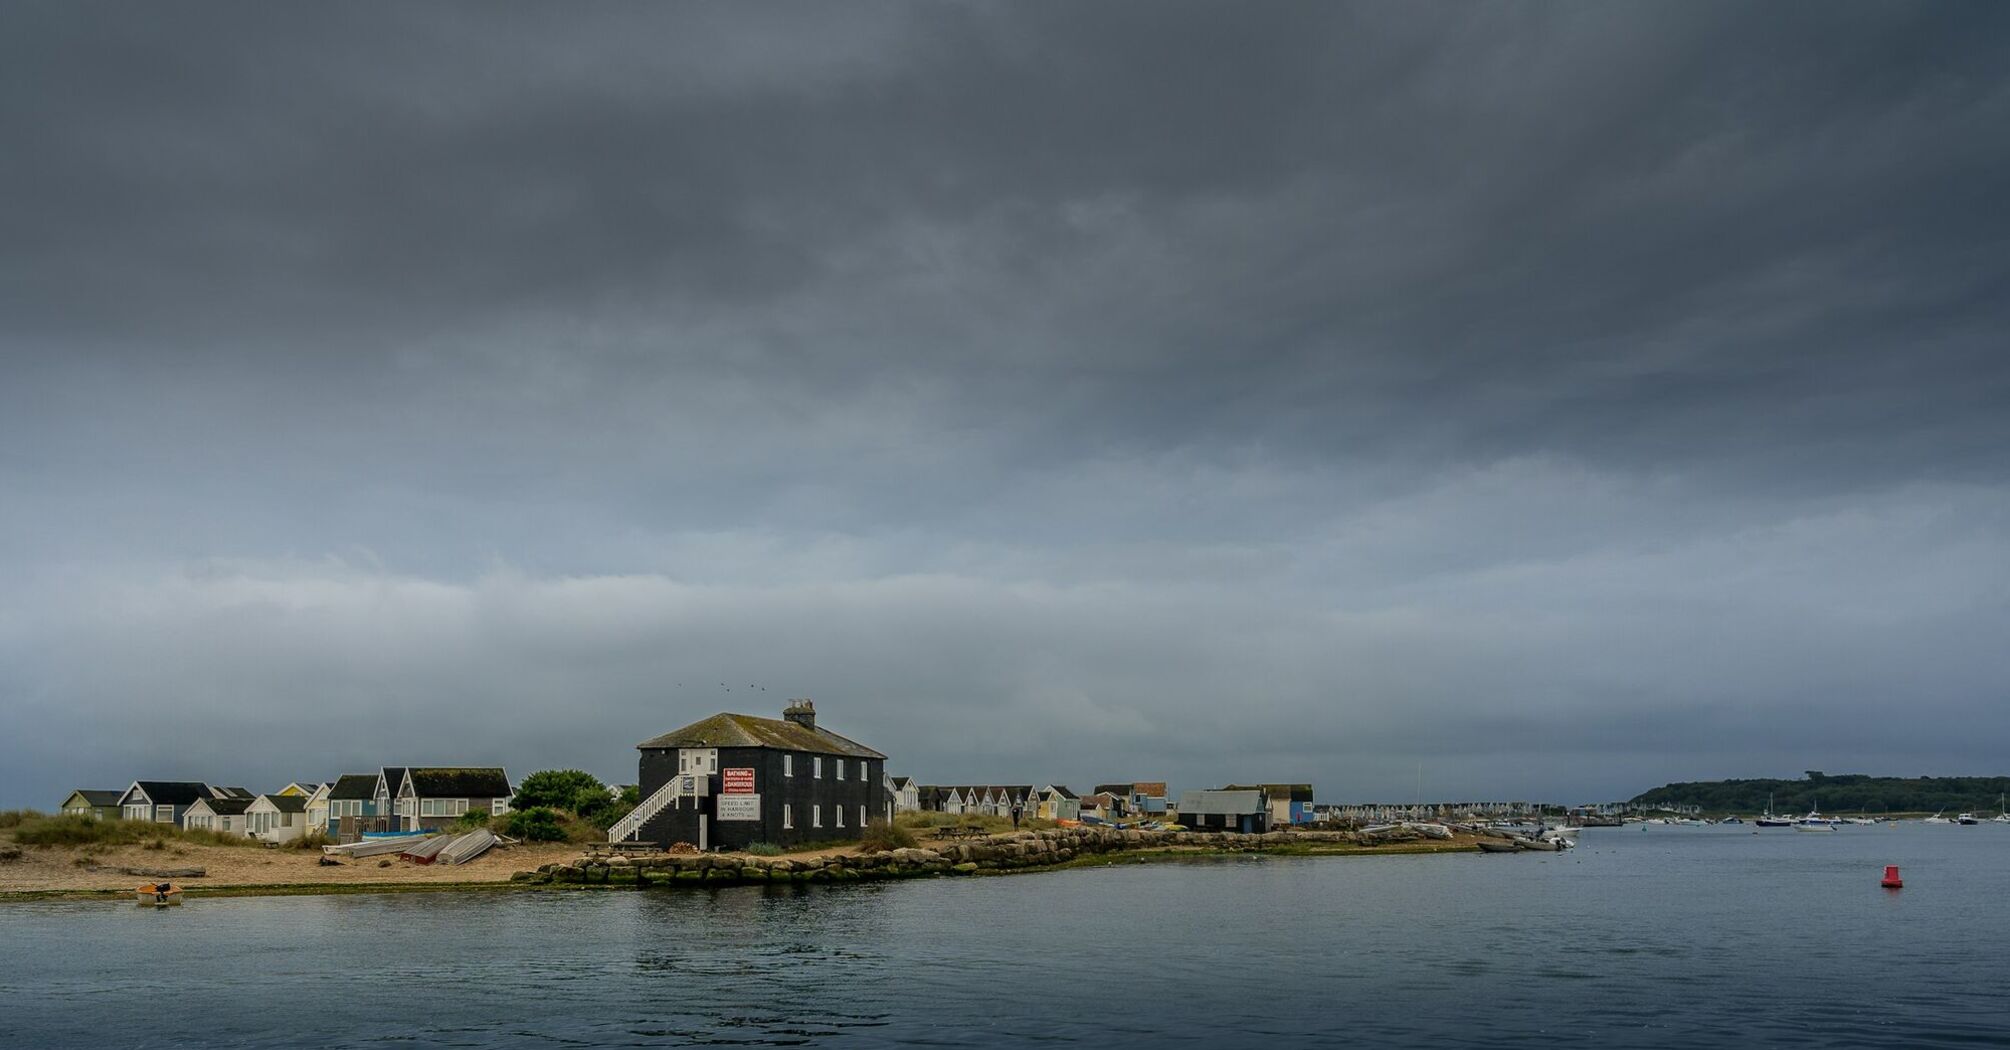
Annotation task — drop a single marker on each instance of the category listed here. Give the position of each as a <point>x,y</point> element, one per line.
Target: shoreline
<point>715,871</point>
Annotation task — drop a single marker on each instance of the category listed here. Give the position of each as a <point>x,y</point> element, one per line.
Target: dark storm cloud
<point>1341,374</point>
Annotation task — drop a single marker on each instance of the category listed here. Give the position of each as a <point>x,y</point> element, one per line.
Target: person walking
<point>1015,816</point>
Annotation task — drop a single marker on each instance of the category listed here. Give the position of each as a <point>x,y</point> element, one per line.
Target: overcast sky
<point>1487,401</point>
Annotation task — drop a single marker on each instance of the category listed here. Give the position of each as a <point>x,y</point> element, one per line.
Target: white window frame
<point>837,812</point>
<point>816,815</point>
<point>138,810</point>
<point>861,815</point>
<point>788,765</point>
<point>163,814</point>
<point>840,765</point>
<point>498,807</point>
<point>817,766</point>
<point>788,816</point>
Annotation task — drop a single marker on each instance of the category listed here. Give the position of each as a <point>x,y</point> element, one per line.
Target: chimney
<point>801,712</point>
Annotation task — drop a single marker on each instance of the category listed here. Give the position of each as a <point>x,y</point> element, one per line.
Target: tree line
<point>1841,793</point>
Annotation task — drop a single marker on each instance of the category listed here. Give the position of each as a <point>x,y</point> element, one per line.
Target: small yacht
<point>1771,821</point>
<point>1969,819</point>
<point>1937,819</point>
<point>1814,821</point>
<point>2002,815</point>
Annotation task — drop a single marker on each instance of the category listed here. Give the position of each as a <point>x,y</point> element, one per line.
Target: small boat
<point>2002,815</point>
<point>1497,846</point>
<point>158,894</point>
<point>1969,819</point>
<point>1937,819</point>
<point>1733,819</point>
<point>1820,826</point>
<point>1771,821</point>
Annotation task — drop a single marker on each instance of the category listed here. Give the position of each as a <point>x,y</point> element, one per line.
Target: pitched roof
<point>394,778</point>
<point>1062,790</point>
<point>170,792</point>
<point>1148,788</point>
<point>459,782</point>
<point>233,792</point>
<point>1113,789</point>
<point>223,807</point>
<point>355,785</point>
<point>1288,792</point>
<point>730,730</point>
<point>98,798</point>
<point>901,783</point>
<point>286,803</point>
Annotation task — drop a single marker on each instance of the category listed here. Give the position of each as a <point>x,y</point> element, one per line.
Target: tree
<point>572,790</point>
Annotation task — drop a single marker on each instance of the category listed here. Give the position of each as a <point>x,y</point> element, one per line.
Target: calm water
<point>1669,937</point>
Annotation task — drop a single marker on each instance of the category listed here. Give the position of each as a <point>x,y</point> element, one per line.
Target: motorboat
<point>1689,822</point>
<point>1732,819</point>
<point>1770,820</point>
<point>1498,846</point>
<point>1817,825</point>
<point>1937,819</point>
<point>1969,819</point>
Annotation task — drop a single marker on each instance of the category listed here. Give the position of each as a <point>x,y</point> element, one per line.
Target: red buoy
<point>1891,880</point>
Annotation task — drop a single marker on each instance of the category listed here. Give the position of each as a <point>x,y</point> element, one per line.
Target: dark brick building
<point>732,780</point>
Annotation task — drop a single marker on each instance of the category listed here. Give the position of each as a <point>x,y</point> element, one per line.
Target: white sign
<point>739,807</point>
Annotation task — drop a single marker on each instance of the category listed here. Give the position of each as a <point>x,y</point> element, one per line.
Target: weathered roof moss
<point>731,730</point>
<point>355,785</point>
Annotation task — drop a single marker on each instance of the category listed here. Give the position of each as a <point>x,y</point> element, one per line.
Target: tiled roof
<point>731,730</point>
<point>355,785</point>
<point>463,782</point>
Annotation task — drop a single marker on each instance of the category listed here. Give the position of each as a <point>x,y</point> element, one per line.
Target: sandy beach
<point>43,870</point>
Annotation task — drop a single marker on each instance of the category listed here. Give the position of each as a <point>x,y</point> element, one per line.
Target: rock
<point>754,872</point>
<point>965,868</point>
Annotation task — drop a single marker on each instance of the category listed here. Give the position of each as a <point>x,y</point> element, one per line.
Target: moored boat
<point>1967,818</point>
<point>158,894</point>
<point>1498,846</point>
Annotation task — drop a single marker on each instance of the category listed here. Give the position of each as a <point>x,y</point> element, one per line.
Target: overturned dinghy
<point>424,852</point>
<point>1497,846</point>
<point>374,847</point>
<point>467,847</point>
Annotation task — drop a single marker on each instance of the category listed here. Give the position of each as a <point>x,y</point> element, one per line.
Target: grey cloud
<point>1377,341</point>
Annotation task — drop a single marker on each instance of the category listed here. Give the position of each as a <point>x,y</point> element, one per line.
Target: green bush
<point>764,849</point>
<point>537,824</point>
<point>472,820</point>
<point>572,790</point>
<point>313,840</point>
<point>881,835</point>
<point>14,818</point>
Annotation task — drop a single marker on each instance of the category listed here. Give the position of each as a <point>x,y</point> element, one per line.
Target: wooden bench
<point>626,849</point>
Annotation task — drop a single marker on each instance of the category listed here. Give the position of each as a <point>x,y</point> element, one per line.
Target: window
<point>498,807</point>
<point>816,816</point>
<point>713,765</point>
<point>137,812</point>
<point>817,766</point>
<point>840,765</point>
<point>788,765</point>
<point>861,816</point>
<point>788,816</point>
<point>164,814</point>
<point>837,814</point>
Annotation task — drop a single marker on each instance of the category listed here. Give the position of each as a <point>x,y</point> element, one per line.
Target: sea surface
<point>1664,937</point>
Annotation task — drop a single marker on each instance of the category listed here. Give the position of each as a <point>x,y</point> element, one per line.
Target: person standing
<point>1015,816</point>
